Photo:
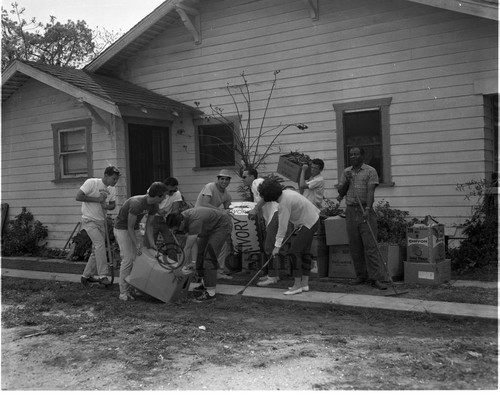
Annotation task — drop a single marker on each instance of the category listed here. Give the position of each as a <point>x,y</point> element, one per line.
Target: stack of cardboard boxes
<point>340,264</point>
<point>426,263</point>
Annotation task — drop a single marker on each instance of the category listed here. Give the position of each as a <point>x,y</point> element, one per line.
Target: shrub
<point>479,248</point>
<point>83,244</point>
<point>23,235</point>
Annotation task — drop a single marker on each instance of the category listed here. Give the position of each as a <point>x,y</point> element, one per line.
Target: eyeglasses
<point>225,178</point>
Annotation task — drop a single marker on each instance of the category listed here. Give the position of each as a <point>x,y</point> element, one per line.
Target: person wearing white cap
<point>215,195</point>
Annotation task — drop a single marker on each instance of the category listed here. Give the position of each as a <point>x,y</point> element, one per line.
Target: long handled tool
<point>240,293</point>
<point>111,262</point>
<point>395,291</point>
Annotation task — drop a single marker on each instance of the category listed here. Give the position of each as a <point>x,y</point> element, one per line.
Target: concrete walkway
<point>315,297</point>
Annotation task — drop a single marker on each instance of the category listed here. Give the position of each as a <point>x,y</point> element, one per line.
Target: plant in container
<point>392,225</point>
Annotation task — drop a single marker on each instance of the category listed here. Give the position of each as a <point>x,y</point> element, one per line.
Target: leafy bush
<point>23,235</point>
<point>392,223</point>
<point>83,244</point>
<point>479,248</point>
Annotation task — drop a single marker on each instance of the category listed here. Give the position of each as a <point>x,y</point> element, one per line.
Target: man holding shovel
<point>97,196</point>
<point>357,184</point>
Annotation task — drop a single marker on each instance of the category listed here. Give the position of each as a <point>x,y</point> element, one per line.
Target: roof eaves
<point>481,8</point>
<point>157,14</point>
<point>57,83</point>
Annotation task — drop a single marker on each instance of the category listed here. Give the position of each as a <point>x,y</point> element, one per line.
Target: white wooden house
<point>415,82</point>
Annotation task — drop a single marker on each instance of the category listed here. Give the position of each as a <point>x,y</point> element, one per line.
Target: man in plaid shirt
<point>359,181</point>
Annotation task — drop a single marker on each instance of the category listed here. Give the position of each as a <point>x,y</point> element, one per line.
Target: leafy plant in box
<point>298,158</point>
<point>392,223</point>
<point>23,235</point>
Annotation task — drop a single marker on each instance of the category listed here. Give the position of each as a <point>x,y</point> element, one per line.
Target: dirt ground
<point>62,336</point>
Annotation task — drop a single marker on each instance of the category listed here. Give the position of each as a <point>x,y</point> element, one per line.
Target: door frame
<point>144,121</point>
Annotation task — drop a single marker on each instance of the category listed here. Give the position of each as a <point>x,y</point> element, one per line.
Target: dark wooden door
<point>149,156</point>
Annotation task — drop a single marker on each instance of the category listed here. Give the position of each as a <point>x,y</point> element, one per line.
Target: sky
<point>113,15</point>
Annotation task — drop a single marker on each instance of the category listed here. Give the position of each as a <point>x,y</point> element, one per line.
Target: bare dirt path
<point>60,337</point>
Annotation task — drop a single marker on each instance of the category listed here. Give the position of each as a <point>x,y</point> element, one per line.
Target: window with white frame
<point>365,124</point>
<point>72,149</point>
<point>215,145</point>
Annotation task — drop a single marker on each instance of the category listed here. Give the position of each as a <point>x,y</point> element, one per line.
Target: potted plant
<point>392,225</point>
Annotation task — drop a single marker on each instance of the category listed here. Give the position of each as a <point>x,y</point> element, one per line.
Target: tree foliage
<point>71,44</point>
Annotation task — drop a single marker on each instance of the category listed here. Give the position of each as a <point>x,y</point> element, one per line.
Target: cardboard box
<point>342,266</point>
<point>320,253</point>
<point>425,243</point>
<point>427,273</point>
<point>336,231</point>
<point>340,262</point>
<point>150,277</point>
<point>244,235</point>
<point>392,255</point>
<point>289,169</point>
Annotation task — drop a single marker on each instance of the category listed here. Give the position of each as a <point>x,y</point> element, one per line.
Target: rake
<point>395,291</point>
<point>240,293</point>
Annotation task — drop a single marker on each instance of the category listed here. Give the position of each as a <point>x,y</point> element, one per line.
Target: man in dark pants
<point>208,229</point>
<point>359,181</point>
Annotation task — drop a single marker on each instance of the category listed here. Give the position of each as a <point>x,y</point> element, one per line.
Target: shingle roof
<point>120,92</point>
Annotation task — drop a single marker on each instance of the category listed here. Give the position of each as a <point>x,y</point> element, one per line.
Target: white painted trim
<point>471,7</point>
<point>487,86</point>
<point>132,35</point>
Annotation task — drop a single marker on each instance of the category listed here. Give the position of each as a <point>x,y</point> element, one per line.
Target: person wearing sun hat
<point>215,195</point>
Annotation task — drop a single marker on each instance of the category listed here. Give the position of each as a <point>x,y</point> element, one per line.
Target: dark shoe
<point>199,290</point>
<point>205,297</point>
<point>357,281</point>
<point>378,285</point>
<point>86,281</point>
<point>105,282</point>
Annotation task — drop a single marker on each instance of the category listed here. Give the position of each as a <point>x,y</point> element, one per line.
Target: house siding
<point>433,64</point>
<point>426,59</point>
<point>28,157</point>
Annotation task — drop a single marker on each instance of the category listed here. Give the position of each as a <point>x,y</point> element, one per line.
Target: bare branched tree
<point>248,141</point>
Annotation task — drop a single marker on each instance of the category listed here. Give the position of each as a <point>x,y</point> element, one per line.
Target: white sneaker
<point>269,281</point>
<point>263,278</point>
<point>304,288</point>
<point>125,297</point>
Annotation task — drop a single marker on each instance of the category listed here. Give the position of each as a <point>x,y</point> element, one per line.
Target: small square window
<point>72,149</point>
<point>215,145</point>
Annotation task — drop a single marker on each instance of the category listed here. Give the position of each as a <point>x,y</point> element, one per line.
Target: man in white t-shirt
<point>314,187</point>
<point>171,204</point>
<point>97,197</point>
